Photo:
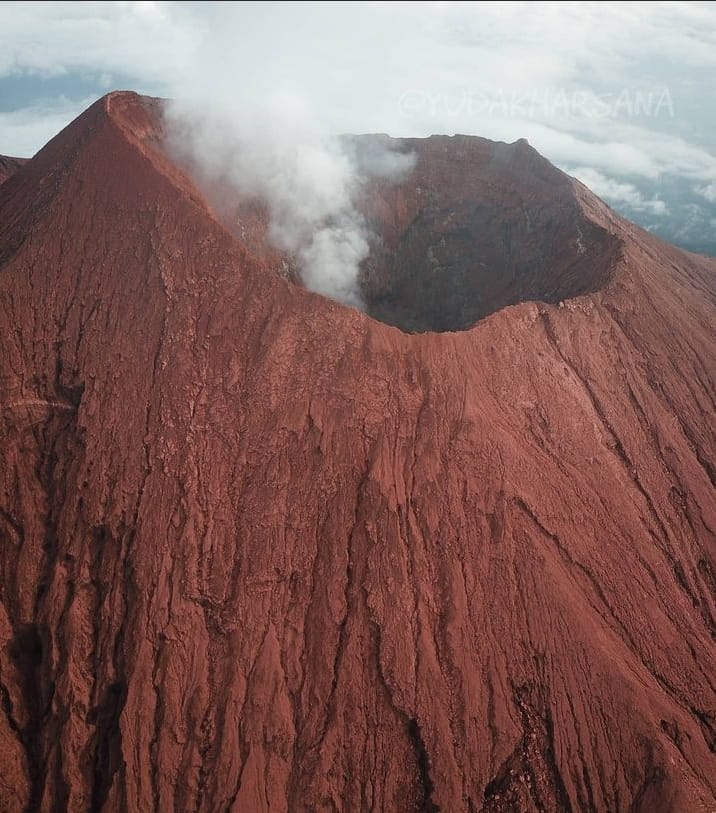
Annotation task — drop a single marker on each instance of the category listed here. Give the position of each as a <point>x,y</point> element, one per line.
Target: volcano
<point>263,552</point>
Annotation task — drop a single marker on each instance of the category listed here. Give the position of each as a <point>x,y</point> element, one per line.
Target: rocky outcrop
<point>264,552</point>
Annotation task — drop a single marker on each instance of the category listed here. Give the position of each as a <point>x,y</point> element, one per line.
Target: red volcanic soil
<point>261,552</point>
<point>9,166</point>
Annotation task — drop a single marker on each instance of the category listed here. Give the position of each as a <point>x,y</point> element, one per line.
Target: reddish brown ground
<point>261,552</point>
<point>9,166</point>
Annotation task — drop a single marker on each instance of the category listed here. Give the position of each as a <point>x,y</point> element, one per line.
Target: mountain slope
<point>263,552</point>
<point>9,166</point>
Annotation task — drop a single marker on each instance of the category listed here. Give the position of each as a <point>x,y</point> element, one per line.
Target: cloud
<point>141,40</point>
<point>618,192</point>
<point>708,192</point>
<point>24,131</point>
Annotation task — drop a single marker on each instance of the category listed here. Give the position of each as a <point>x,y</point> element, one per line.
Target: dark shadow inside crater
<point>476,227</point>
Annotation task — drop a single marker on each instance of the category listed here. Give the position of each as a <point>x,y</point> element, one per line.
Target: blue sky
<point>621,95</point>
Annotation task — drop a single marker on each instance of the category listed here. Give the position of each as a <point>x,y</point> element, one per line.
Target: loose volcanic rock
<point>262,552</point>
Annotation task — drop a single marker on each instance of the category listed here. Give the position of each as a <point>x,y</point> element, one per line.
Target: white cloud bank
<point>618,192</point>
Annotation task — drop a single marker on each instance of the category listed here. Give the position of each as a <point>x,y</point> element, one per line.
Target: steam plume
<point>307,180</point>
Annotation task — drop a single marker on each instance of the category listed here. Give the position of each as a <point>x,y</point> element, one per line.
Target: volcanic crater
<point>472,227</point>
<point>447,254</point>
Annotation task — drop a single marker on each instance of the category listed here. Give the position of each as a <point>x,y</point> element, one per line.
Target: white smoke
<point>307,180</point>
